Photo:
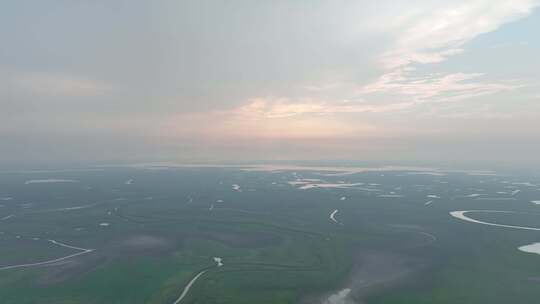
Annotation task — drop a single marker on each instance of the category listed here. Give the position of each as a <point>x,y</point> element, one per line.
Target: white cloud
<point>423,35</point>
<point>435,87</point>
<point>432,35</point>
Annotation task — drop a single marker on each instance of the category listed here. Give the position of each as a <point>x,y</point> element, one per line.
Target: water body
<point>48,262</point>
<point>50,180</point>
<point>462,216</point>
<point>531,248</point>
<point>332,216</point>
<point>188,287</point>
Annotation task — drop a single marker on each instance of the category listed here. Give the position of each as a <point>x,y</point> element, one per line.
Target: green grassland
<point>277,242</point>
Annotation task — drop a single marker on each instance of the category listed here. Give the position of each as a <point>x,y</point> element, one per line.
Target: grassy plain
<point>277,242</point>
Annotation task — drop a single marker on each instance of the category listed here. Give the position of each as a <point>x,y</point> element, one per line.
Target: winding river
<point>461,214</point>
<point>219,263</point>
<point>188,286</point>
<point>48,262</point>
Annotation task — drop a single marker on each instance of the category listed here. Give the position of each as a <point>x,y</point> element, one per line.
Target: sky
<point>197,81</point>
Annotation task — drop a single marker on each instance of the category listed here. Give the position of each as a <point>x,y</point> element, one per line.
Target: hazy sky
<point>248,80</point>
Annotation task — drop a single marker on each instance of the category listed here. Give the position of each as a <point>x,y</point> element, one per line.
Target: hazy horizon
<point>433,82</point>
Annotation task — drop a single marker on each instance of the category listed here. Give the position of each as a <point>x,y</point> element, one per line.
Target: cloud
<point>287,107</point>
<point>431,36</point>
<point>435,87</point>
<point>397,59</point>
<point>57,85</point>
<point>274,118</point>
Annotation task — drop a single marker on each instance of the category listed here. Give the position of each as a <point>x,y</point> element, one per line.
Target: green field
<point>278,244</point>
